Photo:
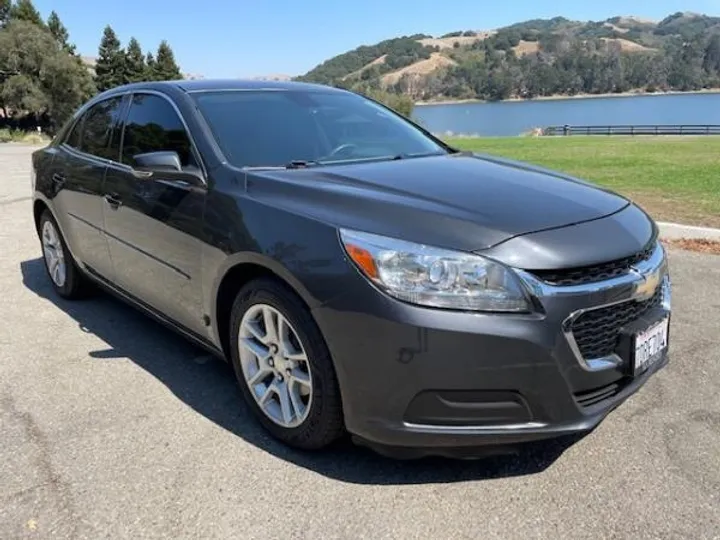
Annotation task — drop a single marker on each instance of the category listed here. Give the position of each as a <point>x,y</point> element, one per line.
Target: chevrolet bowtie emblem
<point>649,284</point>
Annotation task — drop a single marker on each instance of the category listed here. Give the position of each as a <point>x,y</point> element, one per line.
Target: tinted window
<point>275,127</point>
<point>73,137</point>
<point>152,126</point>
<point>97,129</point>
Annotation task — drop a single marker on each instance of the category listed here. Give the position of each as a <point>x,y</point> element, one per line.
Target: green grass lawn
<point>673,178</point>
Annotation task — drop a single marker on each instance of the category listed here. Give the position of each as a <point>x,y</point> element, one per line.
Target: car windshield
<point>278,128</point>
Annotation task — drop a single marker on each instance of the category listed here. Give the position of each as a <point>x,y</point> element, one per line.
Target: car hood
<point>458,201</point>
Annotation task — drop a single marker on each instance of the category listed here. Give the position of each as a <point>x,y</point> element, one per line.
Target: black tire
<point>324,422</point>
<point>75,286</point>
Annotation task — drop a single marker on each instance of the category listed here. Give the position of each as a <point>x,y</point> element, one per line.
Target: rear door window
<point>97,129</point>
<point>75,134</point>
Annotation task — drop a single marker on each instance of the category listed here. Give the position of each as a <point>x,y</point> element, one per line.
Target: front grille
<point>597,332</point>
<point>588,398</point>
<point>594,273</point>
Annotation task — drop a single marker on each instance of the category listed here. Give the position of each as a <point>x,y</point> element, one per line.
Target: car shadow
<point>208,386</point>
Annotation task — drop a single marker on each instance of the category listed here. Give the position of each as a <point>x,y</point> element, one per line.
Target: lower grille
<point>597,332</point>
<point>588,398</point>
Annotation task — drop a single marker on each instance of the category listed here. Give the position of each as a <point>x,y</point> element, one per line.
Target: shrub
<point>398,102</point>
<point>17,135</point>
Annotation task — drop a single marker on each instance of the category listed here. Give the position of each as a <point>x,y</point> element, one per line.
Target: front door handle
<point>113,199</point>
<point>143,175</point>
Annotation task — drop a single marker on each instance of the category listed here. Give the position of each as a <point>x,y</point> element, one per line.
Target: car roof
<point>241,84</point>
<point>205,85</point>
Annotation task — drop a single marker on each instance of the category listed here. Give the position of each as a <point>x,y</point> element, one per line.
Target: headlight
<point>435,277</point>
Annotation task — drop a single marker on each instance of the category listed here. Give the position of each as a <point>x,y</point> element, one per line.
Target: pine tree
<point>165,68</point>
<point>24,10</point>
<point>149,67</point>
<point>59,32</point>
<point>135,69</point>
<point>110,66</point>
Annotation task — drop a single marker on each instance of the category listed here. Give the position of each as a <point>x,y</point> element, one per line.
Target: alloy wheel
<point>275,366</point>
<point>54,254</point>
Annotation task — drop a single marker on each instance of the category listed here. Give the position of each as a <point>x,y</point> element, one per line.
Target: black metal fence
<point>634,130</point>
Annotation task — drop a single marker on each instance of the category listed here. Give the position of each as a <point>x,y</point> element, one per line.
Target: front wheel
<point>284,367</point>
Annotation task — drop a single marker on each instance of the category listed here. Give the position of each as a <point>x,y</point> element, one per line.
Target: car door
<point>153,218</point>
<point>78,174</point>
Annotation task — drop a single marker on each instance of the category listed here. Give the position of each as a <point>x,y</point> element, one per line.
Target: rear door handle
<point>58,179</point>
<point>113,200</point>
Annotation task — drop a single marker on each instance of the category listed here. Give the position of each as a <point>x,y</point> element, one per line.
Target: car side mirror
<point>158,161</point>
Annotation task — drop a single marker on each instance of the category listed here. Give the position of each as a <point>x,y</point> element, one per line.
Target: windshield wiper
<point>294,164</point>
<point>301,164</point>
<point>304,164</point>
<point>417,155</point>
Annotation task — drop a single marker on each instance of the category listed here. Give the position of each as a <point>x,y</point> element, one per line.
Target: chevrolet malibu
<point>360,275</point>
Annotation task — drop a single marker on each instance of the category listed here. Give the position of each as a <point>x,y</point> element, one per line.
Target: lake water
<point>515,117</point>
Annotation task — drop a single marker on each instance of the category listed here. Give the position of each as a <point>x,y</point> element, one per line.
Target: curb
<point>677,231</point>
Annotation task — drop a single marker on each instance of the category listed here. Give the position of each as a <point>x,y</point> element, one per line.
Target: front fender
<point>303,252</point>
<point>231,262</point>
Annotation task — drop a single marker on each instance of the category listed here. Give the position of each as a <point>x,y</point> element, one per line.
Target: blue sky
<point>238,38</point>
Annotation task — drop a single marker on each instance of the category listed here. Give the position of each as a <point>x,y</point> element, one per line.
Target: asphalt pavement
<point>113,427</point>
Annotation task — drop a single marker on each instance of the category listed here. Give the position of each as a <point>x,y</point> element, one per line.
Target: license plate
<point>650,344</point>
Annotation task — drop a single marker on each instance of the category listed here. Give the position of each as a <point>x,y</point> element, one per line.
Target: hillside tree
<point>711,59</point>
<point>110,65</point>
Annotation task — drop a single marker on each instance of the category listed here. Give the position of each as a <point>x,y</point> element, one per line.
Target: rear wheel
<point>66,278</point>
<point>284,367</point>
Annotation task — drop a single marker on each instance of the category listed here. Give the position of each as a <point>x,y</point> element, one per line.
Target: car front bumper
<point>423,381</point>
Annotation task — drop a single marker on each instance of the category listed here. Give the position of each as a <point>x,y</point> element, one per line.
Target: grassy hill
<point>540,57</point>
